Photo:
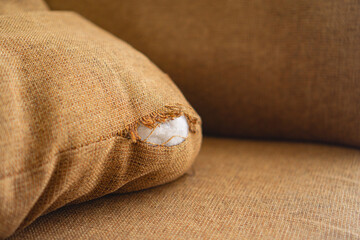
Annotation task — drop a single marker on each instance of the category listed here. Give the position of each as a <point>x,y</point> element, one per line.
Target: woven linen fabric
<point>71,97</point>
<point>265,69</point>
<point>236,190</point>
<point>17,6</point>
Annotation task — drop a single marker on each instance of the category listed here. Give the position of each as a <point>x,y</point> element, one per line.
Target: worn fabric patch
<point>169,133</point>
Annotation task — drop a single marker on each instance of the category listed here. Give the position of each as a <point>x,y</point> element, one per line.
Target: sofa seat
<point>237,189</point>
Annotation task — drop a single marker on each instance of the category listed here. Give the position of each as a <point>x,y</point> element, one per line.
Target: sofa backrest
<point>260,69</point>
<point>19,6</point>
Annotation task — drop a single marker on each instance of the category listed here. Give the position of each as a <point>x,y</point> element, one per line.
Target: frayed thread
<point>153,119</point>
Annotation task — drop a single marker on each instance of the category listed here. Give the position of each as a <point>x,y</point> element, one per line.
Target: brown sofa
<point>277,86</point>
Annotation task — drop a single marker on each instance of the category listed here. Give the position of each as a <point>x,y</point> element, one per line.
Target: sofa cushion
<point>71,99</point>
<point>236,190</point>
<point>265,69</point>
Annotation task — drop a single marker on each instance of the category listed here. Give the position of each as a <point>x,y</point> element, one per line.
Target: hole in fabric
<point>169,133</point>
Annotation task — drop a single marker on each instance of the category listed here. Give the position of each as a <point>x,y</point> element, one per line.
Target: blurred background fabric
<point>21,6</point>
<point>256,69</point>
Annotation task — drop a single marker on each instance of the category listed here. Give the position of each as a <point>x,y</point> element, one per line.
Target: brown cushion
<point>236,190</point>
<point>268,69</point>
<point>71,98</point>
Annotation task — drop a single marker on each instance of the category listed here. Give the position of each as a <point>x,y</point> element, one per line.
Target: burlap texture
<point>237,190</point>
<point>68,93</point>
<point>259,68</point>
